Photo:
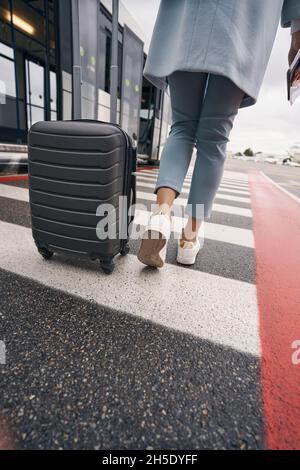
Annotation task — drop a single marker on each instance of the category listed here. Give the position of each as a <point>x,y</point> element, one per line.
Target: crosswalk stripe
<point>216,232</point>
<point>236,262</point>
<point>186,191</point>
<point>235,184</point>
<point>242,237</point>
<point>234,177</point>
<point>231,188</point>
<point>13,192</point>
<point>21,194</point>
<point>147,172</point>
<point>183,201</point>
<point>196,303</point>
<point>223,208</point>
<point>229,197</point>
<point>188,177</point>
<point>149,182</point>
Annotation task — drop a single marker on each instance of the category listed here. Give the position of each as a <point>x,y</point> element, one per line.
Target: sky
<point>272,125</point>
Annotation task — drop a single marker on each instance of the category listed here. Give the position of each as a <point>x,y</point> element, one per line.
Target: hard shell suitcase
<point>74,168</point>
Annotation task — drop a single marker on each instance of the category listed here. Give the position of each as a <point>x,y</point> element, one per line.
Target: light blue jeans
<point>203,110</point>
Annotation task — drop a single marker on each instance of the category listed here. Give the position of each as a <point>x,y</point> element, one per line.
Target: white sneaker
<point>187,252</point>
<point>153,249</point>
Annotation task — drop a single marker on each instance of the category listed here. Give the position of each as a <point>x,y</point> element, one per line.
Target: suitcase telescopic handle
<point>114,66</point>
<point>77,69</point>
<point>77,72</point>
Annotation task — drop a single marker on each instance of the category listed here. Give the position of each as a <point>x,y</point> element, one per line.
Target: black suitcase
<point>74,167</point>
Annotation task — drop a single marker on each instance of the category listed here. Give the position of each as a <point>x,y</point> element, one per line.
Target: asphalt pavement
<point>141,359</point>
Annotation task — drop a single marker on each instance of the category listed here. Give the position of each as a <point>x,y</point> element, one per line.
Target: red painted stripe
<point>144,168</point>
<point>276,219</point>
<point>12,178</point>
<point>6,442</point>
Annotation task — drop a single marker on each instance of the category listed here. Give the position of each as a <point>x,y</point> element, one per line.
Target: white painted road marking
<point>217,232</point>
<point>232,176</point>
<point>221,233</point>
<point>12,192</point>
<point>183,201</point>
<point>193,302</point>
<point>151,180</point>
<point>278,186</point>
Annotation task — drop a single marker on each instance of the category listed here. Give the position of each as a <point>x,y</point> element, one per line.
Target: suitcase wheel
<point>125,250</point>
<point>107,266</point>
<point>46,254</point>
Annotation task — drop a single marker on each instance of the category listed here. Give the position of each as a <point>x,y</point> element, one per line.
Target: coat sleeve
<point>290,11</point>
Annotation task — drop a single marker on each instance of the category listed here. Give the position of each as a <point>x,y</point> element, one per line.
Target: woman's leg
<point>187,92</point>
<point>221,104</point>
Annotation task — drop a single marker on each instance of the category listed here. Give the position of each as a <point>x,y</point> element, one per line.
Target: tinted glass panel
<point>36,84</point>
<point>34,115</point>
<point>53,91</point>
<point>6,50</point>
<point>7,77</point>
<point>132,81</point>
<point>89,36</point>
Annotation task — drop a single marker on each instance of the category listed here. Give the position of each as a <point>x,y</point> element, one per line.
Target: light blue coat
<point>227,37</point>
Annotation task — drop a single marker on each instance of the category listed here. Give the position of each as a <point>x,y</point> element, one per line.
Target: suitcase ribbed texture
<point>75,166</point>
